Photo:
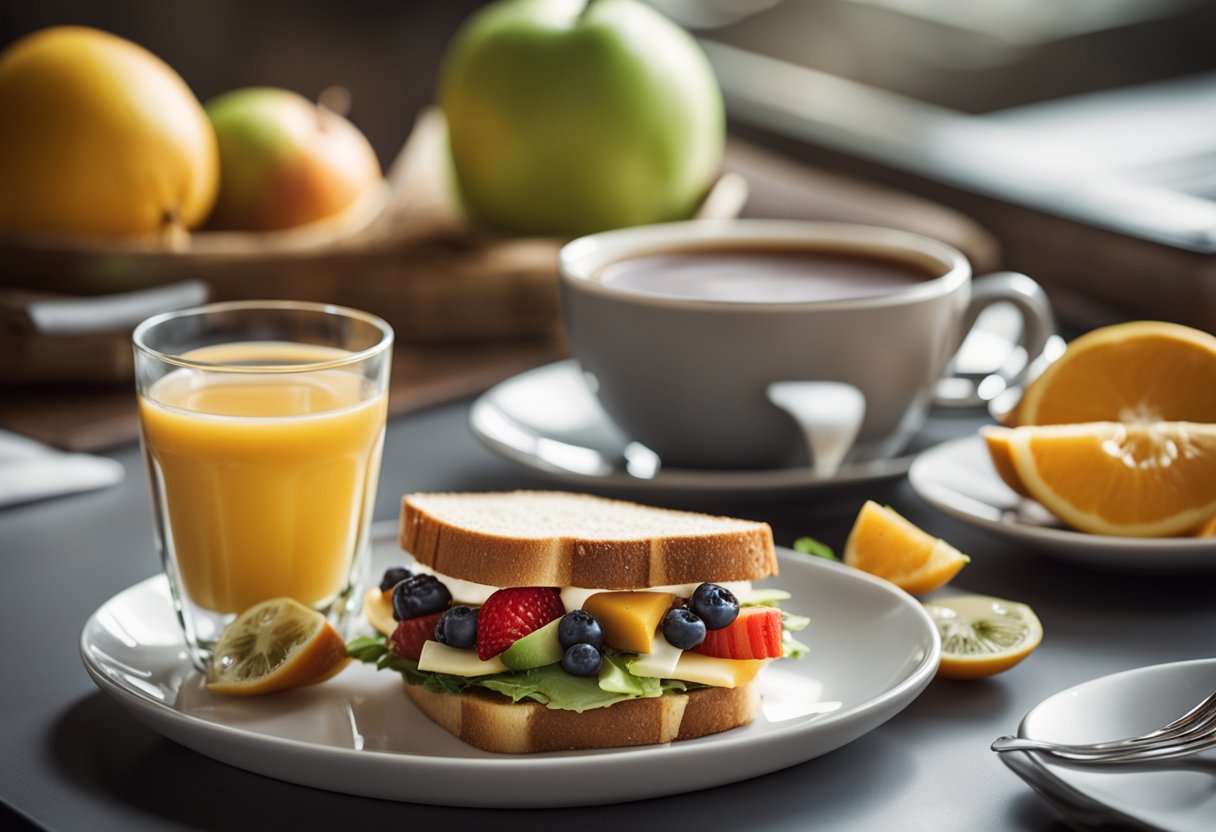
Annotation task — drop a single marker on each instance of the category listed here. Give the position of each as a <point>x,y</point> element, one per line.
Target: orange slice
<point>887,545</point>
<point>1143,371</point>
<point>275,645</point>
<point>983,636</point>
<point>1208,529</point>
<point>997,441</point>
<point>1121,479</point>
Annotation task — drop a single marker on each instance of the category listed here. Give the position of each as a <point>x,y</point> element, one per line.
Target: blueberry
<point>683,628</point>
<point>393,576</point>
<point>581,659</point>
<point>419,595</point>
<point>715,605</point>
<point>580,627</point>
<point>457,627</point>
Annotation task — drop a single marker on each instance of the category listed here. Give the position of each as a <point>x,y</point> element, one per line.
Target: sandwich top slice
<point>534,620</point>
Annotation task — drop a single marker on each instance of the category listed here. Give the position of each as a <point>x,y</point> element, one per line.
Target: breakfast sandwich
<point>539,621</point>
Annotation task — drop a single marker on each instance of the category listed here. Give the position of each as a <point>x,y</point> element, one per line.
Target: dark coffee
<point>764,274</point>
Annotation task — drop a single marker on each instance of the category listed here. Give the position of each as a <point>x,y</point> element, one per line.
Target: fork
<point>1190,733</point>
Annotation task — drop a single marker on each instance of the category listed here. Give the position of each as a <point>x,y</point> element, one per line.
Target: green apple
<point>568,117</point>
<point>285,161</point>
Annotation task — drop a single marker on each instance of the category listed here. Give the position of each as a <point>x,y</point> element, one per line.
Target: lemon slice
<point>275,645</point>
<point>981,635</point>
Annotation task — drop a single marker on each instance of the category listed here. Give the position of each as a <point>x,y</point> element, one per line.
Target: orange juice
<point>266,479</point>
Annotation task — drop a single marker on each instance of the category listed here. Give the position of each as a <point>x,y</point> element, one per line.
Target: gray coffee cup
<point>713,383</point>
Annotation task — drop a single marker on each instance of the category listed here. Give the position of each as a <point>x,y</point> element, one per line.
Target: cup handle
<point>1038,328</point>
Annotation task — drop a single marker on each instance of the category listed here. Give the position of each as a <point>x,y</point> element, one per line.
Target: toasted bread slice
<point>493,722</point>
<point>551,538</point>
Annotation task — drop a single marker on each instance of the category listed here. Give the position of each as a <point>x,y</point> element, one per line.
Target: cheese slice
<point>440,658</point>
<point>659,663</point>
<point>573,597</point>
<point>465,592</point>
<point>718,673</point>
<point>379,611</point>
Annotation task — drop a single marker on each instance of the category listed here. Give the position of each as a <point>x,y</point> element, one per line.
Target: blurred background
<point>1064,127</point>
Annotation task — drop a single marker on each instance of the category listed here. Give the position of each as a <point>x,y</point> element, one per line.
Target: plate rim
<point>154,713</point>
<point>1042,535</point>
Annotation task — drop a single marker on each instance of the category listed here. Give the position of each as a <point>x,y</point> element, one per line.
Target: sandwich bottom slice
<point>493,722</point>
<point>476,623</point>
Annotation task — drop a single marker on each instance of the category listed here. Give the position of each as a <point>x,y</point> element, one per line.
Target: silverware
<point>1191,733</point>
<point>1078,809</point>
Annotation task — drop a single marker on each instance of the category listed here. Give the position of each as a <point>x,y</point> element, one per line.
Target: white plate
<point>548,420</point>
<point>359,734</point>
<point>957,477</point>
<point>1178,795</point>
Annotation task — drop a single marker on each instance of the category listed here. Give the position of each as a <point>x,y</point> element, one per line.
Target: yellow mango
<point>629,619</point>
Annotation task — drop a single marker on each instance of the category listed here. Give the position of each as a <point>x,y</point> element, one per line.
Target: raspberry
<point>410,634</point>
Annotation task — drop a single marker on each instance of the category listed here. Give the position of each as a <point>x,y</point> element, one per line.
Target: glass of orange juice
<point>262,424</point>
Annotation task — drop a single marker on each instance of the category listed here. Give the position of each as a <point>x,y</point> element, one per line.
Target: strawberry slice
<point>410,634</point>
<point>510,614</point>
<point>755,634</point>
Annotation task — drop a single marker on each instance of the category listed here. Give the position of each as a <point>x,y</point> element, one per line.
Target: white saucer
<point>957,477</point>
<point>1178,795</point>
<point>358,734</point>
<point>546,419</point>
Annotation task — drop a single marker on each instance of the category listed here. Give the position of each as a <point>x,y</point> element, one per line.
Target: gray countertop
<point>71,758</point>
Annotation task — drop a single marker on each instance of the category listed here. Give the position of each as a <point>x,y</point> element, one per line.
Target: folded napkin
<point>30,471</point>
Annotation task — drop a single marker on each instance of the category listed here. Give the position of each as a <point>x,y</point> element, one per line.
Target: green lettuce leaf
<point>811,546</point>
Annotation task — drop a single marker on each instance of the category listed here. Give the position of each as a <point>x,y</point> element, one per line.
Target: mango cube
<point>630,619</point>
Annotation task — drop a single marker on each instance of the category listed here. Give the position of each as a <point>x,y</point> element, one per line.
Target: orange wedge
<point>275,645</point>
<point>887,545</point>
<point>997,441</point>
<point>1143,371</point>
<point>1208,529</point>
<point>1130,480</point>
<point>983,636</point>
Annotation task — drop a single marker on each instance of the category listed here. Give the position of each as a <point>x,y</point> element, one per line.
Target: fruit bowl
<point>404,251</point>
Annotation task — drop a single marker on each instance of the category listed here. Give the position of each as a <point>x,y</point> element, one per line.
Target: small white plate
<point>957,477</point>
<point>1178,795</point>
<point>358,733</point>
<point>548,420</point>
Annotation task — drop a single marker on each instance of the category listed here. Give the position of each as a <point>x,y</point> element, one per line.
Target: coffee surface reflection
<point>763,274</point>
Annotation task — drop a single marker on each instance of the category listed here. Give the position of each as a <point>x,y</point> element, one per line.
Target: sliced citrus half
<point>982,635</point>
<point>1143,371</point>
<point>887,545</point>
<point>275,645</point>
<point>1131,480</point>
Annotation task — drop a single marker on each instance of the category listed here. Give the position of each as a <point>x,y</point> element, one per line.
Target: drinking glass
<point>262,424</point>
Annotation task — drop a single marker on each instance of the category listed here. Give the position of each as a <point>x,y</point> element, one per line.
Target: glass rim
<point>384,343</point>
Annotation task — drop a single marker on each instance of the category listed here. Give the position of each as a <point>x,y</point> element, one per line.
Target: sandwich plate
<point>358,734</point>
